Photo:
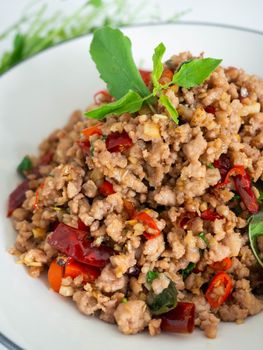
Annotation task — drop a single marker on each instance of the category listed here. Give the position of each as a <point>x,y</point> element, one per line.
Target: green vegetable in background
<point>188,270</point>
<point>110,49</point>
<point>255,230</point>
<point>24,166</point>
<point>131,102</point>
<point>194,72</point>
<point>163,302</point>
<point>151,275</point>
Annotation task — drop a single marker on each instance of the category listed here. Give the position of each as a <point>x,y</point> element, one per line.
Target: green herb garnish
<point>163,302</point>
<point>131,102</point>
<point>188,270</point>
<point>151,275</point>
<point>111,51</point>
<point>203,237</point>
<point>195,72</point>
<point>236,197</point>
<point>260,198</point>
<point>24,166</point>
<point>255,230</point>
<point>210,166</point>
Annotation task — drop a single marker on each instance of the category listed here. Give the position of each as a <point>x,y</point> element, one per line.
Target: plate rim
<point>7,342</point>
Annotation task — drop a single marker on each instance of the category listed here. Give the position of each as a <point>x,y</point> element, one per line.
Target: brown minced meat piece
<point>167,171</point>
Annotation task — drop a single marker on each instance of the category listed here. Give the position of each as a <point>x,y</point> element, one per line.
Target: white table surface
<point>242,13</point>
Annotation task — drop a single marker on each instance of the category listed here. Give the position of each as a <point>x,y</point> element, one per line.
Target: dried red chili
<point>118,142</point>
<point>179,320</point>
<point>74,243</point>
<point>17,197</point>
<point>210,215</point>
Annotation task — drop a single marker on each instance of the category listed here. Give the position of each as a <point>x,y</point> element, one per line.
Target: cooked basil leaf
<point>210,166</point>
<point>151,275</point>
<point>203,237</point>
<point>165,101</point>
<point>188,270</point>
<point>24,166</point>
<point>163,302</point>
<point>110,49</point>
<point>194,72</point>
<point>131,102</point>
<point>255,230</point>
<point>157,66</point>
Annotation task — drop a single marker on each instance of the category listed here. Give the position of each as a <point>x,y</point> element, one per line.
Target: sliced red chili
<point>243,187</point>
<point>222,265</point>
<point>74,269</point>
<point>106,189</point>
<point>236,170</point>
<point>74,243</point>
<point>118,142</point>
<point>210,215</point>
<point>17,197</point>
<point>179,320</point>
<point>92,130</point>
<point>102,96</point>
<point>210,109</point>
<point>223,164</point>
<point>36,203</point>
<point>146,76</point>
<point>220,280</point>
<point>148,221</point>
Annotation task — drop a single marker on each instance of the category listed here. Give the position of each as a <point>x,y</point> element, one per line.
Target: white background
<point>245,13</point>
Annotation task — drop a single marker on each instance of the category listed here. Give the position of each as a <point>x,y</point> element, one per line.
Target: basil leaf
<point>203,237</point>
<point>255,230</point>
<point>157,66</point>
<point>188,270</point>
<point>210,166</point>
<point>110,49</point>
<point>151,275</point>
<point>131,102</point>
<point>195,72</point>
<point>165,101</point>
<point>24,166</point>
<point>163,302</point>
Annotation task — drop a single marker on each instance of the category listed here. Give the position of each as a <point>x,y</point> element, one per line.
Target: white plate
<point>37,97</point>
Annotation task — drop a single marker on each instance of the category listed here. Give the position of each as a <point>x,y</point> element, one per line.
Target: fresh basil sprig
<point>255,230</point>
<point>24,166</point>
<point>111,51</point>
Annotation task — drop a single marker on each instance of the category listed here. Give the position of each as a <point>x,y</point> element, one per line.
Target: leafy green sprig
<point>111,51</point>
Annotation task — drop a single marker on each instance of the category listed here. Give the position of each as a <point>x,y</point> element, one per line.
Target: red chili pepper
<point>223,164</point>
<point>210,215</point>
<point>74,243</point>
<point>179,320</point>
<point>236,170</point>
<point>148,221</point>
<point>85,146</point>
<point>220,280</point>
<point>106,188</point>
<point>82,226</point>
<point>102,96</point>
<point>186,218</point>
<point>74,269</point>
<point>46,158</point>
<point>243,187</point>
<point>92,130</point>
<point>222,265</point>
<point>17,197</point>
<point>146,76</point>
<point>166,77</point>
<point>118,142</point>
<point>129,207</point>
<point>210,109</point>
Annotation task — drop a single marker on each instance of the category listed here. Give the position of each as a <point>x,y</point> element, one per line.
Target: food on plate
<point>147,211</point>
